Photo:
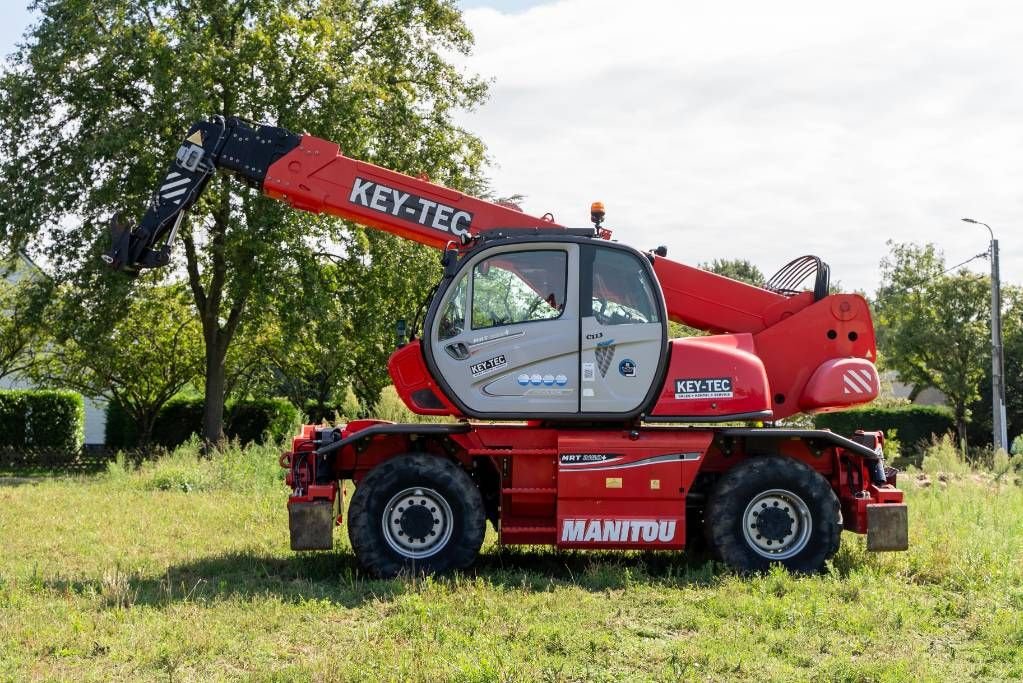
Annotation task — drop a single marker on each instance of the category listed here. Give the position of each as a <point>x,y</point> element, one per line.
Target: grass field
<point>166,574</point>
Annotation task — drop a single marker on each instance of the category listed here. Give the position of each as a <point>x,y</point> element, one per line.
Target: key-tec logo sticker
<point>486,366</point>
<point>704,387</point>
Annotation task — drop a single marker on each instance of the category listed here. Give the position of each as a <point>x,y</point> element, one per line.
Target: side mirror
<point>450,262</point>
<point>401,333</point>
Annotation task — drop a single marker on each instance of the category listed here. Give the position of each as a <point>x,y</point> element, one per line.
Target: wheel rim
<point>417,522</point>
<point>777,524</point>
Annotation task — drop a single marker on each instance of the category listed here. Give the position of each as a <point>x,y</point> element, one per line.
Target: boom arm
<point>310,174</point>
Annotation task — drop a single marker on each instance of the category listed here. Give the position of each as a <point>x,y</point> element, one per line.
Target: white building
<point>15,269</point>
<point>926,397</point>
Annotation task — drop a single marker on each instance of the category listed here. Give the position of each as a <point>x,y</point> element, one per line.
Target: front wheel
<point>416,514</point>
<point>774,509</point>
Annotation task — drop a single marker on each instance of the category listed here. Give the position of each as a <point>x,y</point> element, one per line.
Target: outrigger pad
<point>887,527</point>
<point>312,525</point>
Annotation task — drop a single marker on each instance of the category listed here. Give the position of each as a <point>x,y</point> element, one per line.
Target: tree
<point>22,334</point>
<point>934,327</point>
<point>1012,351</point>
<point>737,269</point>
<point>149,354</point>
<point>98,98</point>
<point>312,358</point>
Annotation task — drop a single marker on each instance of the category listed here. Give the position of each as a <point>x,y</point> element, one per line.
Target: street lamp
<point>1001,438</point>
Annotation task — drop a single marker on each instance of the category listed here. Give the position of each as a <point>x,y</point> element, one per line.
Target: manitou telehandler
<point>578,422</point>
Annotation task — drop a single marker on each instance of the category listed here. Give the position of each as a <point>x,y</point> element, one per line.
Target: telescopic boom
<point>310,174</point>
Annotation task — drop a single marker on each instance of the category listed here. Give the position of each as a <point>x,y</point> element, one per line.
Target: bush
<point>349,409</point>
<point>42,420</point>
<point>177,421</point>
<point>247,421</point>
<point>1001,465</point>
<point>261,420</point>
<point>892,446</point>
<point>915,425</point>
<point>942,457</point>
<point>1017,445</point>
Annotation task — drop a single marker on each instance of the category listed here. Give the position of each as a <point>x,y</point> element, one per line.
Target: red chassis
<point>585,488</point>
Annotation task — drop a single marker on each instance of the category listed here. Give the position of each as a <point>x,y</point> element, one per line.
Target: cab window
<point>452,321</point>
<point>518,287</point>
<point>622,292</point>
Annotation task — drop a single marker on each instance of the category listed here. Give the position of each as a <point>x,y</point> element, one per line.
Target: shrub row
<point>316,414</point>
<point>915,424</point>
<point>44,420</point>
<point>258,420</point>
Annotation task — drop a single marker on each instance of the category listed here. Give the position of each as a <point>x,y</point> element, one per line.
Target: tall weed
<point>235,467</point>
<point>390,407</point>
<point>942,457</point>
<point>892,447</point>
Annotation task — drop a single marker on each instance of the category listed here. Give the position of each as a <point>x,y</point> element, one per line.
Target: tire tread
<point>382,482</point>
<point>738,486</point>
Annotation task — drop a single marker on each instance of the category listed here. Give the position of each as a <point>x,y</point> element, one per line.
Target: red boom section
<point>794,348</point>
<point>715,303</point>
<point>793,336</point>
<point>316,177</point>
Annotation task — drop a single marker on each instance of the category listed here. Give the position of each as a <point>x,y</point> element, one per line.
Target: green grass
<point>164,574</point>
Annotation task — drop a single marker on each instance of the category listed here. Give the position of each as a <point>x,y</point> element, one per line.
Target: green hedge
<point>316,413</point>
<point>45,420</point>
<point>267,419</point>
<point>247,421</point>
<point>914,423</point>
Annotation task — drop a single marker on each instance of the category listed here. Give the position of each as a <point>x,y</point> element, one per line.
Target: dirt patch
<point>19,481</point>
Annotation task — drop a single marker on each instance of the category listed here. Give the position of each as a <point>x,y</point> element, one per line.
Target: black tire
<point>434,511</point>
<point>792,514</point>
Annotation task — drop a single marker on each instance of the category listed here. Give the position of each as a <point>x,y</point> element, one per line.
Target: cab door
<point>623,333</point>
<point>506,336</point>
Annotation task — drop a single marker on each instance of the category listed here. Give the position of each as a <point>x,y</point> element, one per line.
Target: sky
<point>745,129</point>
<point>762,130</point>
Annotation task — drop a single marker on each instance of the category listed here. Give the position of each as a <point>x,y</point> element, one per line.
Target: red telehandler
<point>578,422</point>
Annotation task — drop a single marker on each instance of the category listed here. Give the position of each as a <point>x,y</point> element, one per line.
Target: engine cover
<point>714,379</point>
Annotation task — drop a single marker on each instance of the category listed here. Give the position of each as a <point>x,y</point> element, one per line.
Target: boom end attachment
<point>232,145</point>
<point>127,241</point>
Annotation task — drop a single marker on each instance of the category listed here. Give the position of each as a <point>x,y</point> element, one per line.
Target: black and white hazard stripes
<point>175,186</point>
<point>859,381</point>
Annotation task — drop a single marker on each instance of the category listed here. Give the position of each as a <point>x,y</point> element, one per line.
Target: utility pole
<point>1001,437</point>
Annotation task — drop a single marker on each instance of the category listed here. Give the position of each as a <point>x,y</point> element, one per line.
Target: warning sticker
<point>706,387</point>
<point>589,372</point>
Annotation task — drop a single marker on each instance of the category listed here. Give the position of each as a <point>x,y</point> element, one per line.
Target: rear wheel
<point>774,509</point>
<point>416,514</point>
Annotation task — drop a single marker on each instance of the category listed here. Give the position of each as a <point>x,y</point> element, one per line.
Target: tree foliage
<point>140,361</point>
<point>97,100</point>
<point>934,327</point>
<point>22,332</point>
<point>737,269</point>
<point>981,428</point>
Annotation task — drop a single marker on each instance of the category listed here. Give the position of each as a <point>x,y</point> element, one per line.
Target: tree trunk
<point>960,418</point>
<point>209,302</point>
<point>146,421</point>
<point>213,398</point>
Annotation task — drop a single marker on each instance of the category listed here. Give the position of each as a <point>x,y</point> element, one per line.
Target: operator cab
<point>549,327</point>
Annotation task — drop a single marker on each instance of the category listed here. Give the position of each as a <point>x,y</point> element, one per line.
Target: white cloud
<point>745,129</point>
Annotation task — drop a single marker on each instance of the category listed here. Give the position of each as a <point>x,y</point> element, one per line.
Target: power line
<point>906,288</point>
